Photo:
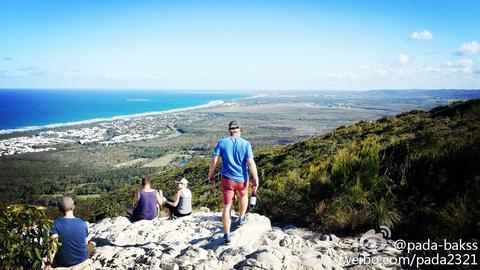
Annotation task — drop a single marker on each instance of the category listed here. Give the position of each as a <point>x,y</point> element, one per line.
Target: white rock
<point>196,242</point>
<point>248,235</point>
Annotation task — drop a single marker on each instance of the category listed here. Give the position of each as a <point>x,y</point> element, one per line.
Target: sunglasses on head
<point>232,128</point>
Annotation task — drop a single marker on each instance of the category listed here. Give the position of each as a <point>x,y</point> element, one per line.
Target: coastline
<point>212,103</point>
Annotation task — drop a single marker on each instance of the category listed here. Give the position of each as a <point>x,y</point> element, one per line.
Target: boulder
<point>196,242</point>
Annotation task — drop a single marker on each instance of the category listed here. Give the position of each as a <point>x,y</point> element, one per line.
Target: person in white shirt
<point>181,205</point>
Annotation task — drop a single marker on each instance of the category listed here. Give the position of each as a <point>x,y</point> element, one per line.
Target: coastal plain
<point>90,159</point>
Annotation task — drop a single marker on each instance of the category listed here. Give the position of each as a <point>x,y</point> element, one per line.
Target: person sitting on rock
<point>146,201</point>
<point>72,233</point>
<point>182,204</point>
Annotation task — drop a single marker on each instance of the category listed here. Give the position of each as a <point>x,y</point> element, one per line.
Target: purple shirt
<point>146,206</point>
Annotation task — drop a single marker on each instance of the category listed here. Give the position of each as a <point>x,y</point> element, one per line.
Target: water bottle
<point>253,200</point>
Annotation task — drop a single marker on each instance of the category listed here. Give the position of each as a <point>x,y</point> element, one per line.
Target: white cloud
<point>463,65</point>
<point>107,75</point>
<point>364,67</point>
<point>336,76</point>
<point>465,62</point>
<point>422,35</point>
<point>467,65</point>
<point>403,59</point>
<point>472,47</point>
<point>382,71</point>
<point>29,71</point>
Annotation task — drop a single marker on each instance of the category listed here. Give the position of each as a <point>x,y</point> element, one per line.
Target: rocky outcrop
<point>195,242</point>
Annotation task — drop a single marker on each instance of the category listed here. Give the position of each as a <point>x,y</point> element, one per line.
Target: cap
<point>182,181</point>
<point>65,203</point>
<point>233,124</point>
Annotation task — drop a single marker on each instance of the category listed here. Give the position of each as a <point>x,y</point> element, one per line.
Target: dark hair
<point>145,181</point>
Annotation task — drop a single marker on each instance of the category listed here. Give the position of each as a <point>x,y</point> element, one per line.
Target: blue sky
<point>251,45</point>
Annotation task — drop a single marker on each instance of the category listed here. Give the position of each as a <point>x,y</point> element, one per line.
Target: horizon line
<point>243,90</point>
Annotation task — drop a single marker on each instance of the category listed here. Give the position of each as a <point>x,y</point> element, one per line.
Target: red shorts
<point>229,187</point>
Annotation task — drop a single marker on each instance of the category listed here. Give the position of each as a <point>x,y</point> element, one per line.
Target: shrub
<point>25,241</point>
<point>383,213</point>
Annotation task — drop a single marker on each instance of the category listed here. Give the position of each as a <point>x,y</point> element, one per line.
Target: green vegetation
<point>25,241</point>
<point>93,169</point>
<point>38,178</point>
<point>415,172</point>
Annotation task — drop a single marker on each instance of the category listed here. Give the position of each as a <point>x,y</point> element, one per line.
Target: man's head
<point>234,128</point>
<point>145,181</point>
<point>66,204</point>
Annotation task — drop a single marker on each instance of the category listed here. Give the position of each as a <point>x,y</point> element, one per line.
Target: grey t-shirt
<point>185,202</point>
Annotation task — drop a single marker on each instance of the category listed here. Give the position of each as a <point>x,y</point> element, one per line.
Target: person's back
<point>185,201</point>
<point>234,152</point>
<point>72,233</point>
<point>146,201</point>
<point>147,206</point>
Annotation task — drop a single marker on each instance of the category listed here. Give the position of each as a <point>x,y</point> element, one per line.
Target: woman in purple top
<point>146,201</point>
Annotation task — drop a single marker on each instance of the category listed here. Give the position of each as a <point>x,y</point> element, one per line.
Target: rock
<point>86,265</point>
<point>204,209</point>
<point>334,238</point>
<point>195,242</point>
<point>264,258</point>
<point>229,257</point>
<point>169,265</point>
<point>325,237</point>
<point>249,234</point>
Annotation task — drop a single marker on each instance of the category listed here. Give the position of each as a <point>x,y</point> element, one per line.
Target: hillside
<point>415,172</point>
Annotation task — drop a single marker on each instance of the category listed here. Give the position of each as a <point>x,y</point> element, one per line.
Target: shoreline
<point>212,103</point>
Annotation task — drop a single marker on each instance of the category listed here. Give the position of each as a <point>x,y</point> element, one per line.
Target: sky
<point>247,45</point>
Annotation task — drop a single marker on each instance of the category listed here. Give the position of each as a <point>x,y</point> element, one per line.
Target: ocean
<point>35,108</point>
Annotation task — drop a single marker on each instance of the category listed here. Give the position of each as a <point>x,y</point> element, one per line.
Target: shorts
<point>174,210</point>
<point>229,187</point>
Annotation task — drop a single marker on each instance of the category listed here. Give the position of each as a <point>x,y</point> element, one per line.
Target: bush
<point>25,241</point>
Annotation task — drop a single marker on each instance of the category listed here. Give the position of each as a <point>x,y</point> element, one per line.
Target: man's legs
<point>226,220</point>
<point>227,197</point>
<point>243,204</point>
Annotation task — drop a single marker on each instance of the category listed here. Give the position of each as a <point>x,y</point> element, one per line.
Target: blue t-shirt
<point>73,234</point>
<point>234,152</point>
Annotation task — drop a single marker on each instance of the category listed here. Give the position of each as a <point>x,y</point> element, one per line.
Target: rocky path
<point>195,242</point>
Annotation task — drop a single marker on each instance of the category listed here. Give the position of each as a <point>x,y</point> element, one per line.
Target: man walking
<point>236,154</point>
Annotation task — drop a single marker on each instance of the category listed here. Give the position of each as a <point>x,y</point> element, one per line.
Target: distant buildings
<point>106,133</point>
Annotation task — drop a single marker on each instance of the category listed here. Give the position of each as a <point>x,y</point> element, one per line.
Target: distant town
<point>106,133</point>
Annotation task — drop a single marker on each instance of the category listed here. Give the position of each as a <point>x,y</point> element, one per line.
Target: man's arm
<point>176,200</point>
<point>211,171</point>
<point>253,169</point>
<point>159,197</point>
<point>136,198</point>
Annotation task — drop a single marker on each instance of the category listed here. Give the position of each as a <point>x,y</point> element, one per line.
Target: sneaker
<point>241,221</point>
<point>227,239</point>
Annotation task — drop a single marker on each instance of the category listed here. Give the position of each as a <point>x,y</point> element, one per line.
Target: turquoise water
<point>22,108</point>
